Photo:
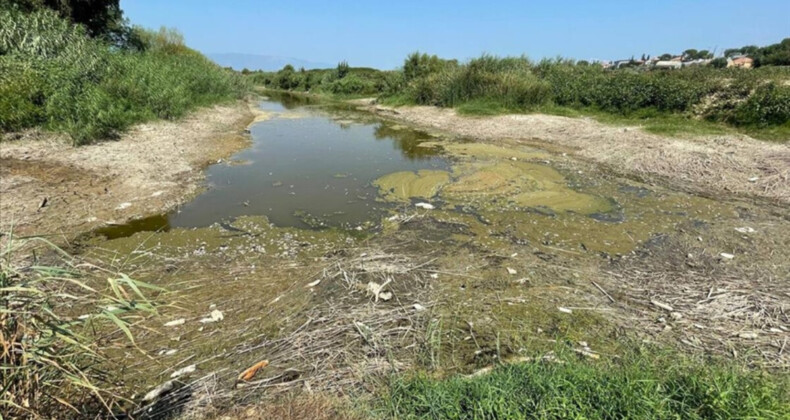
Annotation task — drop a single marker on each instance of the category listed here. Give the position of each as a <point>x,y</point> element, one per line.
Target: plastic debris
<point>175,322</point>
<point>214,316</point>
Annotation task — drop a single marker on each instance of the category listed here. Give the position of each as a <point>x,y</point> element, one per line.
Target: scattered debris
<point>183,371</point>
<point>745,230</point>
<point>214,316</point>
<point>754,179</point>
<point>511,271</point>
<point>156,392</point>
<point>727,256</point>
<point>123,206</point>
<point>425,206</point>
<point>565,310</point>
<point>377,290</point>
<point>250,372</point>
<point>662,305</point>
<point>175,323</point>
<point>43,203</point>
<point>748,335</point>
<point>313,284</point>
<point>418,307</point>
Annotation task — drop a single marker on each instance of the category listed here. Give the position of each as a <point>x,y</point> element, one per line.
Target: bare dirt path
<point>711,165</point>
<point>48,186</point>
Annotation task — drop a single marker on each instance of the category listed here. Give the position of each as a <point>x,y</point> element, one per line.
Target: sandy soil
<point>48,186</point>
<point>710,165</point>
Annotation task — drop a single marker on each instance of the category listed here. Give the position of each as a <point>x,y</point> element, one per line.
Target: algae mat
<point>503,185</point>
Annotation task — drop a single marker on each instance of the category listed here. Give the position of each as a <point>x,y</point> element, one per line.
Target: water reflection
<point>406,140</point>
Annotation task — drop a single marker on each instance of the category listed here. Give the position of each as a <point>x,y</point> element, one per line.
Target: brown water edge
<point>489,277</point>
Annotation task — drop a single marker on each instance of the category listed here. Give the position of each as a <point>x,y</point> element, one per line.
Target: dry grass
<point>296,407</point>
<point>706,305</point>
<point>333,347</point>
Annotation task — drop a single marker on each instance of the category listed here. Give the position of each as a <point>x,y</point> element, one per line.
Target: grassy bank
<point>639,386</point>
<point>693,100</point>
<point>55,76</point>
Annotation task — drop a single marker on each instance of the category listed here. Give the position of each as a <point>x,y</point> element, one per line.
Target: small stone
<point>745,230</point>
<point>418,307</point>
<point>676,316</point>
<point>123,206</point>
<point>425,206</point>
<point>727,256</point>
<point>511,271</point>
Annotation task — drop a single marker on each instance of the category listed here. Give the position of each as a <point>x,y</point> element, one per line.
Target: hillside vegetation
<point>55,75</point>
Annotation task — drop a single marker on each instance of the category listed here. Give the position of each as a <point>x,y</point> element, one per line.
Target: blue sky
<point>381,33</point>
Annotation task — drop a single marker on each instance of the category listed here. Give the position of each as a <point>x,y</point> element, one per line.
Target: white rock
<point>727,256</point>
<point>434,276</point>
<point>123,206</point>
<point>183,371</point>
<point>745,230</point>
<point>511,271</point>
<point>425,206</point>
<point>175,322</point>
<point>313,284</point>
<point>565,310</point>
<point>418,307</point>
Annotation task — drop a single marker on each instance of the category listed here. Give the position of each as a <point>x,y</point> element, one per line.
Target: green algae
<point>401,186</point>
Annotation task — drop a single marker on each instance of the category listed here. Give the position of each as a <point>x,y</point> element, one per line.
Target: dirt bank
<point>711,165</point>
<point>48,186</point>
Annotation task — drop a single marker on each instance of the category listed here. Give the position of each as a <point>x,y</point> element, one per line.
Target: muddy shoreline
<point>733,165</point>
<point>50,187</point>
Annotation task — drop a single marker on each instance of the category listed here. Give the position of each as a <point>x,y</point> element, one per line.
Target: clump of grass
<point>53,75</point>
<point>638,386</point>
<point>52,320</point>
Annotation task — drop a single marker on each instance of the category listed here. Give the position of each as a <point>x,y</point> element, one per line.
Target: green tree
<point>102,18</point>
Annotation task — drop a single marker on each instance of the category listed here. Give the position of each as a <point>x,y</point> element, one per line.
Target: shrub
<point>768,105</point>
<point>53,75</point>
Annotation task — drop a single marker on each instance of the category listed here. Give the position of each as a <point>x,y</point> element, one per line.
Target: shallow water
<point>304,169</point>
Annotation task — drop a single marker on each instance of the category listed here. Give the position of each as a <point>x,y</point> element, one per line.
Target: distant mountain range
<point>263,62</point>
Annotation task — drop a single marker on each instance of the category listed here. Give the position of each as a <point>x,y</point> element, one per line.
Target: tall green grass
<point>53,75</point>
<point>758,98</point>
<point>636,387</point>
<point>55,316</point>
